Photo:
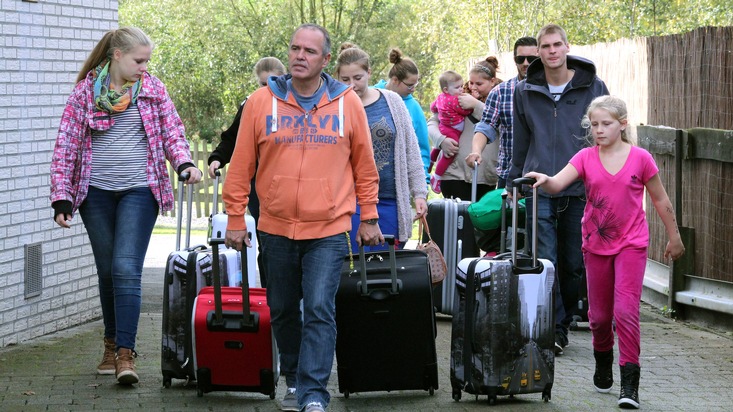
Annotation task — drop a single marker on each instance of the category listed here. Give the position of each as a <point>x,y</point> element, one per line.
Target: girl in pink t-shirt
<point>615,237</point>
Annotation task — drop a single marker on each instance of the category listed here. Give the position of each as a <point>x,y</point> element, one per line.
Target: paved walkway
<point>684,368</point>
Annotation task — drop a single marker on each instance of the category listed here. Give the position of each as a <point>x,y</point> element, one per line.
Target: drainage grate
<point>33,269</point>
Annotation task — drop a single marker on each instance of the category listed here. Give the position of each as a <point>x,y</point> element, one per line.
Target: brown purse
<point>438,269</point>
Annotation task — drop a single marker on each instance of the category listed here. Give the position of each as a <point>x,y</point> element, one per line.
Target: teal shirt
<point>419,124</point>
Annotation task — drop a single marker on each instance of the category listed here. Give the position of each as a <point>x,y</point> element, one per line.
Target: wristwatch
<point>370,221</point>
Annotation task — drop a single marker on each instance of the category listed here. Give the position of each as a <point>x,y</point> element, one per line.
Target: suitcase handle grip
<point>363,285</point>
<point>189,201</point>
<point>515,216</point>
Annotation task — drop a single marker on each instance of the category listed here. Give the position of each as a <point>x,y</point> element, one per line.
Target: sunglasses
<point>520,59</point>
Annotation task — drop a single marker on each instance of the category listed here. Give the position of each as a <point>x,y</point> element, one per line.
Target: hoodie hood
<point>585,71</point>
<point>382,84</point>
<point>279,86</point>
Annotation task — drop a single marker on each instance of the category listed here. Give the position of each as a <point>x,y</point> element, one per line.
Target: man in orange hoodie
<point>308,137</point>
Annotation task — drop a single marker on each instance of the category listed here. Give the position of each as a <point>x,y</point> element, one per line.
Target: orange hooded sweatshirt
<point>311,166</point>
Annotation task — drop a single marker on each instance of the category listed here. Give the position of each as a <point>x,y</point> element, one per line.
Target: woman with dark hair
<point>456,181</point>
<point>403,79</point>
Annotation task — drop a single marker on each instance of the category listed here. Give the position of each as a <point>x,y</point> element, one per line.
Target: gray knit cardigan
<point>408,166</point>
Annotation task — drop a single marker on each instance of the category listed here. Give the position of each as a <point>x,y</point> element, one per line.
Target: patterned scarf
<point>109,100</point>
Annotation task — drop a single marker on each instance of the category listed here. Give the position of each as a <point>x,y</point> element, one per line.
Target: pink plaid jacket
<point>71,164</point>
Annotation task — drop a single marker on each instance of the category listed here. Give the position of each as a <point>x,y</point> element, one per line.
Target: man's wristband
<point>370,221</point>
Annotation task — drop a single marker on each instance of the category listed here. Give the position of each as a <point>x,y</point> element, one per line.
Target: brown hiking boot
<point>125,367</point>
<point>107,367</point>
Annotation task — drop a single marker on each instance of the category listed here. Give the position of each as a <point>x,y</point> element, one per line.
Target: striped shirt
<point>497,116</point>
<point>120,153</point>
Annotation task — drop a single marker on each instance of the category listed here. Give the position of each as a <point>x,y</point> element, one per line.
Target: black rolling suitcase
<point>453,232</point>
<point>386,323</point>
<point>179,290</point>
<point>502,339</point>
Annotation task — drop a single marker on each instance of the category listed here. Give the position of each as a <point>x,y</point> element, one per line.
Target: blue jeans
<point>119,225</point>
<point>309,270</point>
<point>560,240</point>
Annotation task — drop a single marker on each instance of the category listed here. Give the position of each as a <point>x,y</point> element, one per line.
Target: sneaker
<point>290,401</point>
<point>107,366</point>
<point>558,349</point>
<point>603,377</point>
<point>561,341</point>
<point>314,407</point>
<point>629,396</point>
<point>435,183</point>
<point>125,367</point>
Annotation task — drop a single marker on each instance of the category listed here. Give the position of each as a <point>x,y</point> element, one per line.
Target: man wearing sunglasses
<point>549,106</point>
<point>497,115</point>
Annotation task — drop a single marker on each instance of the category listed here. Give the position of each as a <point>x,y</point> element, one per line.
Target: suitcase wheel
<point>547,395</point>
<point>492,400</point>
<point>574,323</point>
<point>199,392</point>
<point>272,395</point>
<point>167,381</point>
<point>431,391</point>
<point>346,395</point>
<point>456,395</point>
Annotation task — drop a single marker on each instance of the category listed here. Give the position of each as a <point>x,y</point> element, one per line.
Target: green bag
<point>486,213</point>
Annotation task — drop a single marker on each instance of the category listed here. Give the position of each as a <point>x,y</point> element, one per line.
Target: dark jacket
<point>548,133</point>
<point>224,150</point>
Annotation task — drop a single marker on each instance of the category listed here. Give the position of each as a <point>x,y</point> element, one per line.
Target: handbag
<point>438,268</point>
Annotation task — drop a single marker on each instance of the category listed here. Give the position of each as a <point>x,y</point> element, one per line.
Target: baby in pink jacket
<point>451,116</point>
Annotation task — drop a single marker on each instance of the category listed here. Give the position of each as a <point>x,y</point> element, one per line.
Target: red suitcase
<point>233,345</point>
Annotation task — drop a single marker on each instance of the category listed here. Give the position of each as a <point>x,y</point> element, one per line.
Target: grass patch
<point>168,230</point>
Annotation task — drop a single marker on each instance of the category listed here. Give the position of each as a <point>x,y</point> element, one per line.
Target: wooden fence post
<point>686,264</point>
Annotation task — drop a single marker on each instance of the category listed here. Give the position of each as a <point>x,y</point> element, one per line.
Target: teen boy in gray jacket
<point>548,108</point>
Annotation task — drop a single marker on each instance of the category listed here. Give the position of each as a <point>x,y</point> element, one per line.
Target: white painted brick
<point>44,45</point>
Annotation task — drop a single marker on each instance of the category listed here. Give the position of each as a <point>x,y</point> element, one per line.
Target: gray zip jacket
<point>548,133</point>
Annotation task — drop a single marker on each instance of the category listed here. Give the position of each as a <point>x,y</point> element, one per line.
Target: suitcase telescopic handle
<point>215,207</point>
<point>390,239</point>
<point>515,216</point>
<point>474,182</point>
<point>189,201</point>
<point>247,319</point>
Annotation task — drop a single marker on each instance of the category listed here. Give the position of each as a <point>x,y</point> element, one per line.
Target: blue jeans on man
<point>119,225</point>
<point>309,270</point>
<point>560,241</point>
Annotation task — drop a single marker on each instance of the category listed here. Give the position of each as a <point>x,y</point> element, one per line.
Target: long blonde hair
<point>123,39</point>
<point>613,105</point>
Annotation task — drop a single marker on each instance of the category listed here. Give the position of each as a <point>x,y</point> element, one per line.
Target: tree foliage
<point>206,49</point>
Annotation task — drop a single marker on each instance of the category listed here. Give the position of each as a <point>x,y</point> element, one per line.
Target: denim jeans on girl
<point>309,270</point>
<point>560,241</point>
<point>119,225</point>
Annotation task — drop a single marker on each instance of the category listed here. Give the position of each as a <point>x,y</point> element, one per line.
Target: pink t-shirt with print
<point>614,216</point>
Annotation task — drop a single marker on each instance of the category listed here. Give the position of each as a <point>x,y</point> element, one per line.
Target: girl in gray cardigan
<point>396,150</point>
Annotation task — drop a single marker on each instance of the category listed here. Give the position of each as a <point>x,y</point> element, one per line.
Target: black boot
<point>629,397</point>
<point>603,378</point>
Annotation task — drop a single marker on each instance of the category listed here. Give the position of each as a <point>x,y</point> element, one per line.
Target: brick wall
<point>43,45</point>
